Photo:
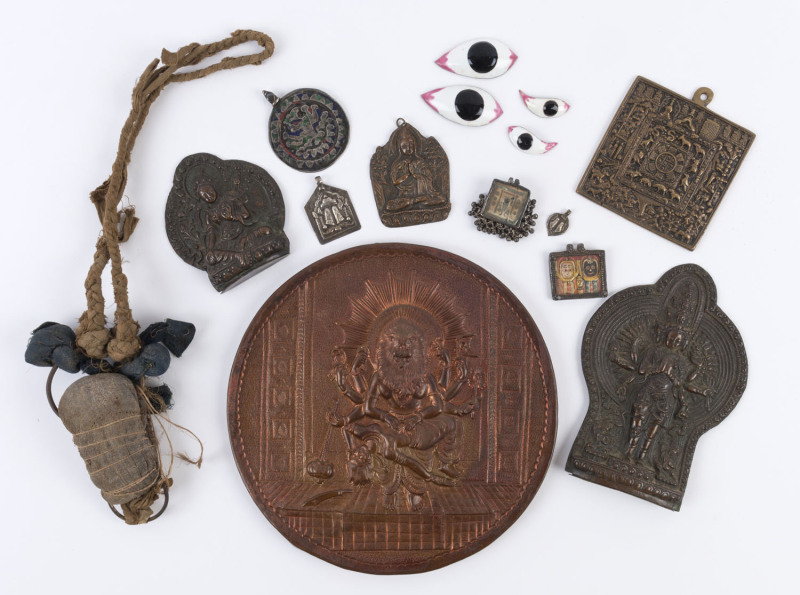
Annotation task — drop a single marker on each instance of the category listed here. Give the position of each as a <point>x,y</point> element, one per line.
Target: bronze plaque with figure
<point>392,409</point>
<point>225,218</point>
<point>410,178</point>
<point>663,365</point>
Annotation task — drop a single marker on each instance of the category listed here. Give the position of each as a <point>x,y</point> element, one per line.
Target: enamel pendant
<point>479,58</point>
<point>545,107</point>
<point>526,142</point>
<point>308,129</point>
<point>469,106</point>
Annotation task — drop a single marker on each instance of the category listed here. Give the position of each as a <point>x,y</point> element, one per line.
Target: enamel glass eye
<point>479,58</point>
<point>527,142</point>
<point>470,106</point>
<point>544,107</point>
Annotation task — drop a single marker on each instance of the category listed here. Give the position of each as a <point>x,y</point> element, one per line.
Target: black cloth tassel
<point>53,344</point>
<point>174,334</point>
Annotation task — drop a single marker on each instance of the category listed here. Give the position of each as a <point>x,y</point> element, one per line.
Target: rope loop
<point>122,342</point>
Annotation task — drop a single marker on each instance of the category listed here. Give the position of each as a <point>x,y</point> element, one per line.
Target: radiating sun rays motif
<point>425,304</point>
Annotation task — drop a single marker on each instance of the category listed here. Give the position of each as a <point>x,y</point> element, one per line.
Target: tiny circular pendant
<point>308,129</point>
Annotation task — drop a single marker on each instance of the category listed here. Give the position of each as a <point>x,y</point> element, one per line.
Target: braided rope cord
<point>122,342</point>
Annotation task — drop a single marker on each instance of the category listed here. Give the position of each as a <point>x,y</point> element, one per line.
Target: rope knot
<point>93,342</point>
<point>125,344</point>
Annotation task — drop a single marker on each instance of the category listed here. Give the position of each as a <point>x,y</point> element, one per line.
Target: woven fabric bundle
<point>114,435</point>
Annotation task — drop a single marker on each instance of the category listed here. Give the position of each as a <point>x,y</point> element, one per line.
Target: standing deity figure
<point>664,374</point>
<point>567,275</point>
<point>590,275</point>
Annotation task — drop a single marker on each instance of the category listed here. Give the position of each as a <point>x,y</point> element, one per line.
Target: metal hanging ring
<point>49,389</point>
<point>703,96</point>
<point>156,515</point>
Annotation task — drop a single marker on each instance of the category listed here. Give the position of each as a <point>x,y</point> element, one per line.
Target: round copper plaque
<point>392,409</point>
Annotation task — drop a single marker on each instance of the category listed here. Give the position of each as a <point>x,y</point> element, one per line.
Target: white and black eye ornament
<point>544,107</point>
<point>469,106</point>
<point>527,142</point>
<point>479,58</point>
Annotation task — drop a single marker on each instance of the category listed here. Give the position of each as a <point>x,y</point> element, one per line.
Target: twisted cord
<point>92,335</point>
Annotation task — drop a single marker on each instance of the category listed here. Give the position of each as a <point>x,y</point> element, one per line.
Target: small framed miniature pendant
<point>410,178</point>
<point>578,273</point>
<point>506,211</point>
<point>308,129</point>
<point>331,212</point>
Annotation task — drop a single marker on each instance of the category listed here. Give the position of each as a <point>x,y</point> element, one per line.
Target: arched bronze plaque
<point>392,409</point>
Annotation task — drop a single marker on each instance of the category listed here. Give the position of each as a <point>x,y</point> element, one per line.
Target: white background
<point>69,68</point>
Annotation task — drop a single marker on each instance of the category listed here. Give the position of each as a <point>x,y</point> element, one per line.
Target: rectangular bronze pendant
<point>665,162</point>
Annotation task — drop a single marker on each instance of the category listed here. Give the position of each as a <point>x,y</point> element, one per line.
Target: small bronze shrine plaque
<point>663,364</point>
<point>225,218</point>
<point>392,409</point>
<point>331,212</point>
<point>666,162</point>
<point>410,178</point>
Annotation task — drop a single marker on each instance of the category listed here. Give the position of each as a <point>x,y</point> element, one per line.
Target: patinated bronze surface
<point>308,129</point>
<point>558,223</point>
<point>392,409</point>
<point>666,162</point>
<point>225,218</point>
<point>410,178</point>
<point>663,365</point>
<point>506,211</point>
<point>331,212</point>
<point>578,273</point>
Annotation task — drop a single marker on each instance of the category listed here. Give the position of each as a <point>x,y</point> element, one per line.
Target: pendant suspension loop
<point>703,96</point>
<point>400,122</point>
<point>271,97</point>
<point>49,389</point>
<point>152,518</point>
